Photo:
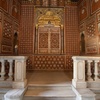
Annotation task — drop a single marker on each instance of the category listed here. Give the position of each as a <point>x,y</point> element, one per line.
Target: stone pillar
<point>10,70</point>
<point>78,80</point>
<point>96,72</point>
<point>89,73</point>
<point>20,80</point>
<point>2,70</point>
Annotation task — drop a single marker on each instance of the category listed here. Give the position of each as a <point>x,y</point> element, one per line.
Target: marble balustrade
<point>85,70</point>
<point>16,70</point>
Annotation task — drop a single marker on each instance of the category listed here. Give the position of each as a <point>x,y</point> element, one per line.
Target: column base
<point>79,84</point>
<point>19,85</point>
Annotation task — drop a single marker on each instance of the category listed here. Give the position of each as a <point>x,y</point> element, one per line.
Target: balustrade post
<point>89,73</point>
<point>10,70</point>
<point>20,80</point>
<point>96,73</point>
<point>79,73</point>
<point>2,70</point>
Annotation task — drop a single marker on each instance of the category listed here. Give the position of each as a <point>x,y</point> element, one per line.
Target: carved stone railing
<point>85,70</point>
<point>16,71</point>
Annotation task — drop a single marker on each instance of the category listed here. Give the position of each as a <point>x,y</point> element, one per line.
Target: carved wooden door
<point>49,40</point>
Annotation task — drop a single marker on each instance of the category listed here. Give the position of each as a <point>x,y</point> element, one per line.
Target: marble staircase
<point>97,92</point>
<point>3,91</point>
<point>49,92</point>
<point>49,85</point>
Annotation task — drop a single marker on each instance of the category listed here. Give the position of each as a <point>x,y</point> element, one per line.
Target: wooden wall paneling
<point>26,30</point>
<point>71,34</point>
<point>61,2</point>
<point>4,4</point>
<point>91,36</point>
<point>83,10</point>
<point>95,6</point>
<point>49,62</point>
<point>29,63</point>
<point>98,29</point>
<point>7,35</point>
<point>0,30</point>
<point>16,10</point>
<point>71,30</point>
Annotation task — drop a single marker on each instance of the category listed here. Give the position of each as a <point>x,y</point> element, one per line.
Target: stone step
<point>50,86</point>
<point>49,98</point>
<point>49,93</point>
<point>1,96</point>
<point>3,91</point>
<point>97,92</point>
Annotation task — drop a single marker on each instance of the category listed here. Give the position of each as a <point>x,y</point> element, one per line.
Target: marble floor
<point>49,85</point>
<point>49,77</point>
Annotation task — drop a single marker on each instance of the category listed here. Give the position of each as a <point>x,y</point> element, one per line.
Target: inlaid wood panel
<point>49,40</point>
<point>95,5</point>
<point>49,62</point>
<point>26,30</point>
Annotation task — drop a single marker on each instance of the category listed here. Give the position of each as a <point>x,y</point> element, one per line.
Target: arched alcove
<point>49,33</point>
<point>15,43</point>
<point>82,43</point>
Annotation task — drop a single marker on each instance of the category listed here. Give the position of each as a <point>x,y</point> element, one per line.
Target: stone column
<point>10,70</point>
<point>20,80</point>
<point>2,70</point>
<point>89,73</point>
<point>96,73</point>
<point>78,80</point>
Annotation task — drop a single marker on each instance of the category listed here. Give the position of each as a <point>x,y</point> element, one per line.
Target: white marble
<point>3,91</point>
<point>79,73</point>
<point>84,94</point>
<point>14,94</point>
<point>93,84</point>
<point>19,69</point>
<point>6,84</point>
<point>57,78</point>
<point>19,85</point>
<point>49,85</point>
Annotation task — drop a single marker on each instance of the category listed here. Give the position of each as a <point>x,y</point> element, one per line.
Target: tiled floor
<point>49,77</point>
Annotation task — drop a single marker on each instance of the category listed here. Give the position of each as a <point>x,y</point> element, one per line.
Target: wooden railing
<point>85,69</point>
<point>13,69</point>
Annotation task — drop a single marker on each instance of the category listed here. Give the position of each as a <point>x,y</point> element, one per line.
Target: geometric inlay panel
<point>54,40</point>
<point>43,62</point>
<point>43,40</point>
